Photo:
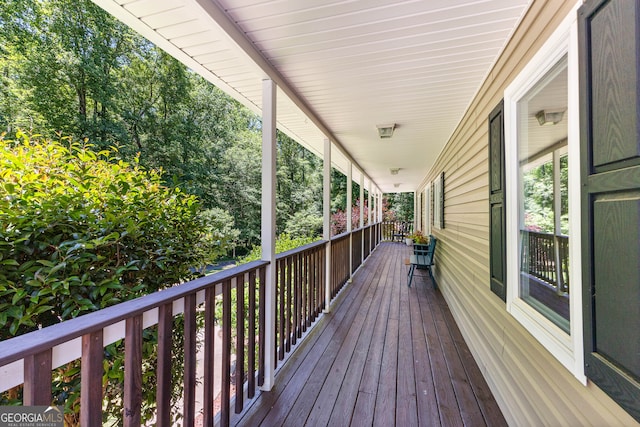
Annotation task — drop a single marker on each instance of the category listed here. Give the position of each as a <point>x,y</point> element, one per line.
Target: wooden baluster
<point>251,356</point>
<point>288,303</point>
<point>261,324</point>
<point>239,375</point>
<point>133,371</point>
<point>190,360</point>
<point>282,320</point>
<point>163,386</point>
<point>226,355</point>
<point>37,379</point>
<point>91,379</point>
<point>209,352</point>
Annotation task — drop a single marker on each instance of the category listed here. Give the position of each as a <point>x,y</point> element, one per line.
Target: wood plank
<point>251,350</point>
<point>348,392</point>
<point>37,379</point>
<point>163,383</point>
<point>240,345</point>
<point>308,406</point>
<point>289,384</point>
<point>383,415</point>
<point>490,411</point>
<point>356,400</point>
<point>91,379</point>
<point>466,400</point>
<point>225,393</point>
<point>373,360</point>
<point>190,360</point>
<point>133,371</point>
<point>366,400</point>
<point>447,404</point>
<point>427,405</point>
<point>406,406</point>
<point>209,356</point>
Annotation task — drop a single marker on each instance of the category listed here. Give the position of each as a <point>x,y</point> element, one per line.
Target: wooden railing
<point>33,356</point>
<point>356,250</point>
<point>367,236</point>
<point>236,330</point>
<point>340,272</point>
<point>546,257</point>
<point>391,230</point>
<point>300,293</point>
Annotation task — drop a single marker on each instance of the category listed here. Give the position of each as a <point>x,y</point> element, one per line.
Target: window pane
<point>543,204</point>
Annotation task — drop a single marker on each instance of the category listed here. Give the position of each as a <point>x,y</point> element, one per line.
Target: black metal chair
<point>423,259</point>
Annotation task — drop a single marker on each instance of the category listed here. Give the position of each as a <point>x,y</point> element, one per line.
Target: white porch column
<point>361,203</point>
<point>326,221</point>
<point>370,204</point>
<point>416,214</point>
<point>349,212</point>
<point>269,223</point>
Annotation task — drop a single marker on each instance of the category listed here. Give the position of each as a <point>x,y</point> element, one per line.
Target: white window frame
<point>567,348</point>
<point>438,202</point>
<point>427,209</point>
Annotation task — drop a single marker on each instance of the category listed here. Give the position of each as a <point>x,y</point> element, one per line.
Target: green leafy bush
<point>82,230</point>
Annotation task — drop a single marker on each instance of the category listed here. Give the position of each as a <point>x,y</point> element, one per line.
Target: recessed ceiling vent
<point>386,131</point>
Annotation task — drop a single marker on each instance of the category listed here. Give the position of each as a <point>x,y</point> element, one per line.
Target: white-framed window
<point>438,202</point>
<point>427,209</point>
<point>542,167</point>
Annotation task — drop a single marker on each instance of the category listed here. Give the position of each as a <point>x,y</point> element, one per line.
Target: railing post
<point>349,214</point>
<point>326,221</point>
<point>269,224</point>
<point>361,243</point>
<point>370,218</point>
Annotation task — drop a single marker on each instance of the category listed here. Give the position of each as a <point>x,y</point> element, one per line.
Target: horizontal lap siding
<point>531,387</point>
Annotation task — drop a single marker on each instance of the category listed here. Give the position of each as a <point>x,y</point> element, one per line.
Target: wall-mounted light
<point>549,117</point>
<point>386,131</point>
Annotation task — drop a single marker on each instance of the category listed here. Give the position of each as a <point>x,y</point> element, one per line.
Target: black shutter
<point>497,225</point>
<point>610,157</point>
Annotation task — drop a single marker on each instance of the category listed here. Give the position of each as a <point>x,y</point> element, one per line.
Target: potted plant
<point>418,239</point>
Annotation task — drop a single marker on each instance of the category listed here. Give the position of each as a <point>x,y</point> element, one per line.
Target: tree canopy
<point>69,68</point>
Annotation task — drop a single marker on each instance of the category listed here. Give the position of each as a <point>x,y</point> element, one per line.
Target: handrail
<point>301,249</point>
<point>34,342</point>
<point>546,257</point>
<point>300,299</point>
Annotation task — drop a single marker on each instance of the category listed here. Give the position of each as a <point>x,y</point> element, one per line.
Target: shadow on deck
<point>386,355</point>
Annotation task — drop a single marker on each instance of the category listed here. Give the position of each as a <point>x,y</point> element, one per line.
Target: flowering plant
<point>419,238</point>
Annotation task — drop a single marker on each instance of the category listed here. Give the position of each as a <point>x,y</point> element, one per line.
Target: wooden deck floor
<point>386,355</point>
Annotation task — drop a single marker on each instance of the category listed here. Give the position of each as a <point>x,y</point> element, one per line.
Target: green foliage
<point>82,230</point>
<point>284,242</point>
<point>67,66</point>
<point>539,195</point>
<point>304,224</point>
<point>399,207</point>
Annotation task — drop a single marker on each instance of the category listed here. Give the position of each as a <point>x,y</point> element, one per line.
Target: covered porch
<point>385,354</point>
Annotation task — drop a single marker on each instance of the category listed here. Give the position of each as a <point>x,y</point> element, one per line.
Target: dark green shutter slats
<point>497,233</point>
<point>610,173</point>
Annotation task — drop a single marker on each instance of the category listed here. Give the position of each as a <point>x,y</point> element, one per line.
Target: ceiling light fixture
<point>549,117</point>
<point>386,131</point>
<point>394,171</point>
<point>396,185</point>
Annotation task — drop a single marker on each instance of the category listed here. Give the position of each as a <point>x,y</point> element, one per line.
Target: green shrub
<point>82,230</point>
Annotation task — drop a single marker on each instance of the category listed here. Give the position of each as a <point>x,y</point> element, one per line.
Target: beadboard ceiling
<point>342,67</point>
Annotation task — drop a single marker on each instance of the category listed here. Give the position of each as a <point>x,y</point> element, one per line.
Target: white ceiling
<point>342,67</point>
